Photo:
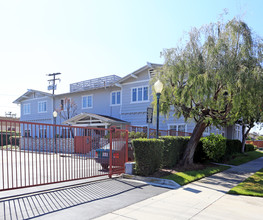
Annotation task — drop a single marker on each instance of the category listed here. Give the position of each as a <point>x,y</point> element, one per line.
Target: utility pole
<point>53,88</point>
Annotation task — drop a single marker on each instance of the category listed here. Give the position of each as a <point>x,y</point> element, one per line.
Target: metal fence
<point>152,132</point>
<point>33,154</point>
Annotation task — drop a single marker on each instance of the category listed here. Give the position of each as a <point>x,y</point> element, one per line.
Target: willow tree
<point>203,77</point>
<point>250,108</point>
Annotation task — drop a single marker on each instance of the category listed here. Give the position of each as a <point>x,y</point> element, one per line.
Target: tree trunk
<point>244,136</point>
<point>188,157</point>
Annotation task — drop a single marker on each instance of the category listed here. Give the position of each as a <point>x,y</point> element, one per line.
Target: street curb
<point>153,181</point>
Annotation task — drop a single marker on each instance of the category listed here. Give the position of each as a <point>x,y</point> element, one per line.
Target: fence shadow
<point>42,203</point>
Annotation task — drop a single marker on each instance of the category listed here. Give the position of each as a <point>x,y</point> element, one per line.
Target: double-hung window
<point>42,106</point>
<point>87,101</point>
<point>27,109</point>
<point>140,94</point>
<point>116,98</point>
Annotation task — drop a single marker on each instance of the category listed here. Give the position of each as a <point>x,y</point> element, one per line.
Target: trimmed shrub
<point>250,147</point>
<point>5,137</point>
<point>148,155</point>
<point>233,147</point>
<point>173,150</point>
<point>138,134</point>
<point>214,147</point>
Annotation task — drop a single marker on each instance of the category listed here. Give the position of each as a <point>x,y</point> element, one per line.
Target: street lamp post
<point>158,87</point>
<point>55,114</point>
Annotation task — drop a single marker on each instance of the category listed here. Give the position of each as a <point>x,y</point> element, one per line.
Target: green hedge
<point>233,147</point>
<point>173,150</point>
<point>214,147</point>
<point>148,155</point>
<point>250,147</point>
<point>6,137</point>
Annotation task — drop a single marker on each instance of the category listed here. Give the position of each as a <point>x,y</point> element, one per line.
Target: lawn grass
<point>186,177</point>
<point>244,158</point>
<point>252,186</point>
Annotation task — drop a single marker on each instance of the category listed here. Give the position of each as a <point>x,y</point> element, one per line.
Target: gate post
<point>110,162</point>
<point>126,148</point>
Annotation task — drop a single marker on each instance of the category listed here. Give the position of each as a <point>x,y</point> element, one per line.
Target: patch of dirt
<point>166,172</point>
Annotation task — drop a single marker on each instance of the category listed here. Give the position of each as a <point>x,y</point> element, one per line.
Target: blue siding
<point>133,112</point>
<point>34,115</point>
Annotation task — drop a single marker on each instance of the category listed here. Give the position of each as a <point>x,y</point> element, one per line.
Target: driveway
<point>83,201</point>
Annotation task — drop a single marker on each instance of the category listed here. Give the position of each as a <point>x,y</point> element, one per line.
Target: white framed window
<point>237,132</point>
<point>87,101</point>
<point>178,129</point>
<point>207,131</point>
<point>116,98</point>
<point>27,109</point>
<point>140,94</point>
<point>42,106</point>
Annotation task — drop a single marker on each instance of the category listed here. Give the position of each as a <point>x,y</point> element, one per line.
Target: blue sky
<point>85,39</point>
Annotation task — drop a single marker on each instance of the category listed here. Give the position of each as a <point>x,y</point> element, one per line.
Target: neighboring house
<point>9,124</point>
<point>107,101</point>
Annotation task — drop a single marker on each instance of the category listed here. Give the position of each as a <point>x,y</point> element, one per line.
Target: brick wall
<point>61,145</point>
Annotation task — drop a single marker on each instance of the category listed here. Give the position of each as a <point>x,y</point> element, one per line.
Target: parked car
<point>118,154</point>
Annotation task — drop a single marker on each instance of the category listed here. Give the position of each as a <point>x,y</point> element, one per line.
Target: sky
<point>85,39</point>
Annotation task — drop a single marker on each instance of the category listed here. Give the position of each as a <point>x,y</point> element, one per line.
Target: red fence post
<point>126,149</point>
<point>110,170</point>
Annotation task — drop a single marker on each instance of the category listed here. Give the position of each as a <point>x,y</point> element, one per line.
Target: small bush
<point>250,147</point>
<point>148,155</point>
<point>214,146</point>
<point>233,147</point>
<point>173,150</point>
<point>132,134</point>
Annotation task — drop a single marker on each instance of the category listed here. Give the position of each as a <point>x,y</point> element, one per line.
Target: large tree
<point>203,77</point>
<point>251,102</point>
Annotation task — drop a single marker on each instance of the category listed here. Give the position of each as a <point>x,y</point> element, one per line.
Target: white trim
<point>140,81</point>
<point>142,101</point>
<point>134,76</point>
<point>35,99</point>
<point>149,74</point>
<point>115,98</point>
<point>87,102</point>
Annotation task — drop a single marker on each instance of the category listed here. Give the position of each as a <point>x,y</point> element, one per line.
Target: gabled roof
<point>27,94</point>
<point>136,72</point>
<point>116,83</point>
<point>93,120</point>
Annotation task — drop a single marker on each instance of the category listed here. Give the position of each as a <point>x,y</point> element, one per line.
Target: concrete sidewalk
<point>203,199</point>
